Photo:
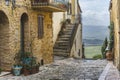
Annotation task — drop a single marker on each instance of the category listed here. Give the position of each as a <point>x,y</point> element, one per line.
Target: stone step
<point>59,57</point>
<point>61,54</point>
<point>60,50</point>
<point>64,39</point>
<point>63,43</point>
<point>68,29</point>
<point>64,34</point>
<point>67,32</point>
<point>60,41</point>
<point>67,36</point>
<point>61,47</point>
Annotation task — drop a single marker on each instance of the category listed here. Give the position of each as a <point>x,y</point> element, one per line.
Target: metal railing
<point>55,3</point>
<point>73,34</point>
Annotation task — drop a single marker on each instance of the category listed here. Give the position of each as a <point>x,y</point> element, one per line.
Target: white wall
<point>77,44</point>
<point>57,18</point>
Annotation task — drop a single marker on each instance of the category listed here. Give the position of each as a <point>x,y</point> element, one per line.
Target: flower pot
<point>34,70</point>
<point>17,70</point>
<point>26,72</point>
<point>109,55</point>
<point>37,69</point>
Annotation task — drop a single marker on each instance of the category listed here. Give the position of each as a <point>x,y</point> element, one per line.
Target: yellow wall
<point>41,48</point>
<point>115,18</point>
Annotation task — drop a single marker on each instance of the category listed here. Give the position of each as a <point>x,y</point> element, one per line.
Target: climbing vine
<point>111,37</point>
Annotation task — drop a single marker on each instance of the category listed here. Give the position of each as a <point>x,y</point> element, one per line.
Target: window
<point>40,26</point>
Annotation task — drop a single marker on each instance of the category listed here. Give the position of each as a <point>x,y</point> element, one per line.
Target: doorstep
<point>4,73</point>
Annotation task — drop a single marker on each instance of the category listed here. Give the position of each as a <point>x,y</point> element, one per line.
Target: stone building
<point>26,26</point>
<point>68,41</point>
<point>115,19</point>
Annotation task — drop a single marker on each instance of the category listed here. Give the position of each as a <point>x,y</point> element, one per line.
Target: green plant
<point>104,46</point>
<point>27,54</point>
<point>18,59</point>
<point>98,56</point>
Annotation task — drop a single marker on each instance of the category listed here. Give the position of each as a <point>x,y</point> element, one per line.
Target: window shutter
<point>40,27</point>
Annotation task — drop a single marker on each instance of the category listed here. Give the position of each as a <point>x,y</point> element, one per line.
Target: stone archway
<point>25,33</point>
<point>4,41</point>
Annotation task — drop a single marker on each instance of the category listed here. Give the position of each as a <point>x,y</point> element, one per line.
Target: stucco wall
<point>76,50</point>
<point>57,18</point>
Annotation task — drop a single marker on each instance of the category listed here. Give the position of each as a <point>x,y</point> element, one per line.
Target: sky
<point>95,12</point>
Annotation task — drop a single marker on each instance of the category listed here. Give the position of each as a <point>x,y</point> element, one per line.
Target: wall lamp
<point>7,2</point>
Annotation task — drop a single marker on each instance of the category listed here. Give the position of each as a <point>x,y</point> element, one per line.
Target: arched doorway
<point>25,34</point>
<point>4,40</point>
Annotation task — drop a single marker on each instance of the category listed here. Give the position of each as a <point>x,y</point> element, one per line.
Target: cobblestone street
<point>68,69</point>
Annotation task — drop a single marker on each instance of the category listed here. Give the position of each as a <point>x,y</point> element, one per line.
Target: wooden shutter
<point>40,27</point>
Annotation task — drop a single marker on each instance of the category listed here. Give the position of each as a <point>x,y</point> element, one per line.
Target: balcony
<point>49,5</point>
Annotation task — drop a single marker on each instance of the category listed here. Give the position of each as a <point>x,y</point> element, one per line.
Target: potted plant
<point>30,66</point>
<point>34,66</point>
<point>26,61</point>
<point>26,69</point>
<point>16,69</point>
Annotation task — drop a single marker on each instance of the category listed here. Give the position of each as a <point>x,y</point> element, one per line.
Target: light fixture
<point>7,2</point>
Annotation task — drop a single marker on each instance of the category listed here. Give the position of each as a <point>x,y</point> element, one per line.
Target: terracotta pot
<point>109,55</point>
<point>33,70</point>
<point>37,69</point>
<point>26,72</point>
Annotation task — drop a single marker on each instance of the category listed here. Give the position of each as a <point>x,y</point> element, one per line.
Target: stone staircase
<point>62,46</point>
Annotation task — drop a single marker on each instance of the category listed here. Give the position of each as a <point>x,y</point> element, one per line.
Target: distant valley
<point>94,35</point>
<point>94,42</point>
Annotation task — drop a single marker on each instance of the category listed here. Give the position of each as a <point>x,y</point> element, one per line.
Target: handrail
<point>48,3</point>
<point>74,31</point>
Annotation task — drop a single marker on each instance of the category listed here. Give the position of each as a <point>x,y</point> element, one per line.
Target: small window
<point>40,27</point>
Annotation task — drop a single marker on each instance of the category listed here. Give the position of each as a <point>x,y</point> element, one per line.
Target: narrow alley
<point>59,40</point>
<point>72,69</point>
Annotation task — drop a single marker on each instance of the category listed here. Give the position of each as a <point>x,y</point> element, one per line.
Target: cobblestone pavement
<point>68,69</point>
<point>113,73</point>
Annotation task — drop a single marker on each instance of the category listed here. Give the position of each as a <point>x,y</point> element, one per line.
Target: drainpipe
<point>73,11</point>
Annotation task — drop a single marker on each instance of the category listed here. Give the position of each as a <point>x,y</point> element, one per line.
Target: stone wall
<point>11,33</point>
<point>115,16</point>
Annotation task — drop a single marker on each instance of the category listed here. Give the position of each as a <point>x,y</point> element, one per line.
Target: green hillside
<point>90,51</point>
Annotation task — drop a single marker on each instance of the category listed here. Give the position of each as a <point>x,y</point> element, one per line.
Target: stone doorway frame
<point>4,40</point>
<point>24,33</point>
